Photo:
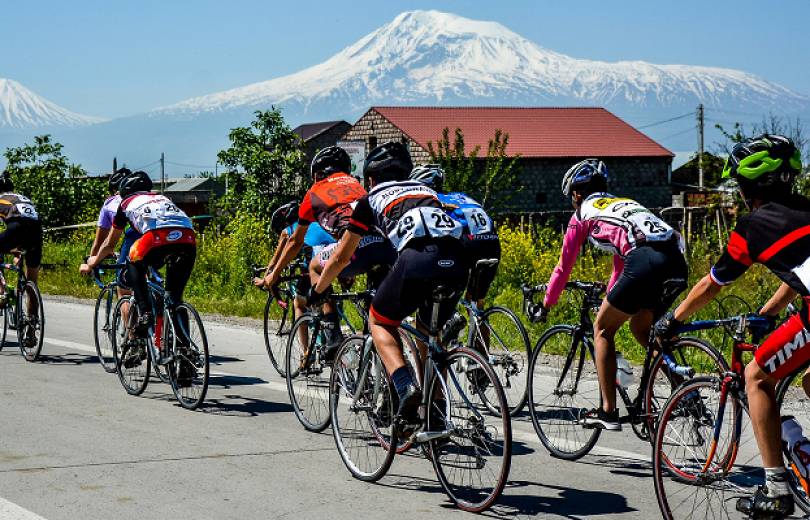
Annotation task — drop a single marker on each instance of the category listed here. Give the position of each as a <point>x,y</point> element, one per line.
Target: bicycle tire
<point>6,311</point>
<point>102,327</point>
<point>275,349</point>
<point>360,429</point>
<point>134,379</point>
<point>308,392</point>
<point>25,323</point>
<point>799,408</point>
<point>471,441</point>
<point>541,412</point>
<point>195,355</point>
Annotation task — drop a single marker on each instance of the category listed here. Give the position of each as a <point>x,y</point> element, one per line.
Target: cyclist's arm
<point>701,294</point>
<point>283,239</point>
<point>291,250</point>
<point>779,301</point>
<point>101,236</point>
<point>575,236</point>
<point>342,257</point>
<point>106,250</point>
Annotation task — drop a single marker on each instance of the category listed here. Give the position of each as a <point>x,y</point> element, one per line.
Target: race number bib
<point>422,222</point>
<point>640,218</point>
<point>155,212</point>
<point>478,221</point>
<point>27,210</point>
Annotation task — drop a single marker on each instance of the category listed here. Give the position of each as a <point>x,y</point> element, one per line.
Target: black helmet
<point>388,162</point>
<point>284,216</point>
<point>764,166</point>
<point>117,176</point>
<point>6,184</point>
<point>332,159</point>
<point>133,183</point>
<point>431,175</point>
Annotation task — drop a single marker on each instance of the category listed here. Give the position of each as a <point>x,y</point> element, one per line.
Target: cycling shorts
<point>642,284</point>
<point>481,247</point>
<point>787,349</point>
<point>372,250</point>
<point>159,238</point>
<point>23,234</point>
<point>422,266</point>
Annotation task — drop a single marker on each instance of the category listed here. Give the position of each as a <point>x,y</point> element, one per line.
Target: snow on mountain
<point>22,109</point>
<point>426,57</point>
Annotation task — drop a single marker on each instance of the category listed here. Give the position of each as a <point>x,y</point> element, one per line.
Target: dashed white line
<point>11,511</point>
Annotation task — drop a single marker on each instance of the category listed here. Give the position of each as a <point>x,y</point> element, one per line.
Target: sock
<point>776,482</point>
<point>401,379</point>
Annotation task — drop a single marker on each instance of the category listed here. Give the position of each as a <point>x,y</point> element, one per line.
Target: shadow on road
<point>227,382</point>
<point>219,360</point>
<point>237,405</point>
<point>67,359</point>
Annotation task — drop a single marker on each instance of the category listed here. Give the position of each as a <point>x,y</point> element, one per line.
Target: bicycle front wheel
<point>307,374</point>
<point>189,369</point>
<point>274,337</point>
<point>6,312</point>
<point>473,456</point>
<point>102,327</point>
<point>563,385</point>
<point>132,361</point>
<point>792,396</point>
<point>30,321</point>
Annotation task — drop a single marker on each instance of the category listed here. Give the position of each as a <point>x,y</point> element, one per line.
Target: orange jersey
<point>330,203</point>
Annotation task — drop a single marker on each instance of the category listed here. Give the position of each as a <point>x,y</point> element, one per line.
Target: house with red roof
<point>547,140</point>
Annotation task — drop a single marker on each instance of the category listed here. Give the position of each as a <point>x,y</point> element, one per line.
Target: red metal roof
<point>533,132</point>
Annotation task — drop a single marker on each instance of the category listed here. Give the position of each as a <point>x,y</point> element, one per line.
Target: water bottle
<point>799,449</point>
<point>624,372</point>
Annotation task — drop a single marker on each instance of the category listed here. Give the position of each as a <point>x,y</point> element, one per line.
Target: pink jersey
<point>613,224</point>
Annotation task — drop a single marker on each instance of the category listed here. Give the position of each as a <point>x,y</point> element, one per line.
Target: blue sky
<point>116,58</point>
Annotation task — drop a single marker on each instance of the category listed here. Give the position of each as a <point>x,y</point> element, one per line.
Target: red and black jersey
<point>776,235</point>
<point>329,202</point>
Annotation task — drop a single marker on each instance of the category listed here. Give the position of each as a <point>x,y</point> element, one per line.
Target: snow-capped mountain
<point>21,109</point>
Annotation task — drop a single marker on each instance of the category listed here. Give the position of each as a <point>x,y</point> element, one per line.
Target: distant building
<point>548,141</point>
<point>192,195</point>
<point>320,135</point>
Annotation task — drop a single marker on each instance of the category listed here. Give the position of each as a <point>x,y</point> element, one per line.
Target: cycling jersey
<point>13,205</point>
<point>613,224</point>
<point>315,237</point>
<point>148,212</point>
<point>776,235</point>
<point>469,213</point>
<point>330,201</point>
<point>107,215</point>
<point>403,211</point>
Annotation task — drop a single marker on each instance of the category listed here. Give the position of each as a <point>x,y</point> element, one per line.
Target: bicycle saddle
<point>444,292</point>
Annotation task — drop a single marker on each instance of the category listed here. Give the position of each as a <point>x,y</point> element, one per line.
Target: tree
<point>62,192</point>
<point>491,181</point>
<point>263,166</point>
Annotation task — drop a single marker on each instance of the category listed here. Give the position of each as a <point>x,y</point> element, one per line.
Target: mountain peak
<point>20,108</point>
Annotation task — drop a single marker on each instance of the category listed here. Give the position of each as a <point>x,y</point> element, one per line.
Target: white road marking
<point>71,344</point>
<point>11,511</point>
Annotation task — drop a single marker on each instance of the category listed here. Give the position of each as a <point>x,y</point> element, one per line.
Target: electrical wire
<point>682,116</point>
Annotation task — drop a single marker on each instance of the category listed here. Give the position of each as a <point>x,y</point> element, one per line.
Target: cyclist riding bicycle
<point>776,233</point>
<point>329,202</point>
<point>430,253</point>
<point>649,270</point>
<point>167,237</point>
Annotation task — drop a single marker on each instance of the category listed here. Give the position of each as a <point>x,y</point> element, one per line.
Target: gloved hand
<point>665,327</point>
<point>770,322</point>
<point>538,313</point>
<point>315,298</point>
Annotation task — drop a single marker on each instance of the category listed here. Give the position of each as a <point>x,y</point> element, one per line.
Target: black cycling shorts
<point>372,250</point>
<point>421,267</point>
<point>24,234</point>
<point>482,247</point>
<point>649,272</point>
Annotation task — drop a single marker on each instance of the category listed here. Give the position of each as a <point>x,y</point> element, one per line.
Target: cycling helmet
<point>332,159</point>
<point>764,164</point>
<point>117,176</point>
<point>431,175</point>
<point>582,174</point>
<point>133,183</point>
<point>388,162</point>
<point>6,184</point>
<point>284,216</point>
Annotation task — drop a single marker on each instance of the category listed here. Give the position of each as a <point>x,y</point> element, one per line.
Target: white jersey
<point>150,211</point>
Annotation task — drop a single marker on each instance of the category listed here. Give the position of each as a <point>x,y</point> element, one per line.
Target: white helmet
<point>583,172</point>
<point>431,175</point>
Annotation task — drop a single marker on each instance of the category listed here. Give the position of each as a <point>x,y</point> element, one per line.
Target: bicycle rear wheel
<point>503,340</point>
<point>307,375</point>
<point>473,460</point>
<point>102,327</point>
<point>362,426</point>
<point>274,340</point>
<point>792,396</point>
<point>563,385</point>
<point>189,369</point>
<point>30,322</point>
<point>6,312</point>
<point>132,359</point>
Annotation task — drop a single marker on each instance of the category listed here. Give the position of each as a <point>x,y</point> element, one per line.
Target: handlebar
<point>537,312</point>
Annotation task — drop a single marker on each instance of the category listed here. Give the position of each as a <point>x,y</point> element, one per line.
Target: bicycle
<point>184,352</point>
<point>470,447</point>
<point>16,314</point>
<point>700,462</point>
<point>563,383</point>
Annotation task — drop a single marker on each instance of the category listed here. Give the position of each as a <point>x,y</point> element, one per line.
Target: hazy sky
<point>115,58</point>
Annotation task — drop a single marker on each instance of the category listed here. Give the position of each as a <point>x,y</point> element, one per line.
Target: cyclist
<point>329,202</point>
<point>430,253</point>
<point>776,233</point>
<point>167,237</point>
<point>23,233</point>
<point>649,270</point>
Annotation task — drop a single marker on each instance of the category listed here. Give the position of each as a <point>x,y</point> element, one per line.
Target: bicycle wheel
<point>307,375</point>
<point>274,341</point>
<point>792,396</point>
<point>698,466</point>
<point>362,410</point>
<point>563,385</point>
<point>102,327</point>
<point>132,360</point>
<point>6,311</point>
<point>30,322</point>
<point>188,369</point>
<point>503,340</point>
<point>472,461</point>
<point>687,352</point>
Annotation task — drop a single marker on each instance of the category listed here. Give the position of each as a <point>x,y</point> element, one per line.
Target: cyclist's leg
<point>10,240</point>
<point>608,321</point>
<point>640,325</point>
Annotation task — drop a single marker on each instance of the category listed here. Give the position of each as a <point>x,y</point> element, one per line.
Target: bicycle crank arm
<point>432,436</point>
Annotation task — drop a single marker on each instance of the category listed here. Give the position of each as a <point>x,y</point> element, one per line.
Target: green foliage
<point>458,165</point>
<point>264,166</point>
<point>61,192</point>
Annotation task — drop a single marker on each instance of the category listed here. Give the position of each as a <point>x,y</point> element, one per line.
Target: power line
<point>683,116</point>
<point>191,165</point>
<point>148,165</point>
<point>690,129</point>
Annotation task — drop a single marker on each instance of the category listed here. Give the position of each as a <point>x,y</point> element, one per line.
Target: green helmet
<point>764,160</point>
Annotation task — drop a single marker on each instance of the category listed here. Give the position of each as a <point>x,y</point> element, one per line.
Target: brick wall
<point>374,129</point>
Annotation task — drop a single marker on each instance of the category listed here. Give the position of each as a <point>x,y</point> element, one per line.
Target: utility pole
<point>115,164</point>
<point>163,173</point>
<point>700,144</point>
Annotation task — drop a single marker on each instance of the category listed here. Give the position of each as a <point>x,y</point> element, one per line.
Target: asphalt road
<point>74,445</point>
